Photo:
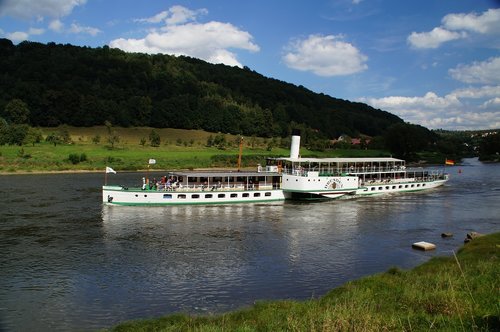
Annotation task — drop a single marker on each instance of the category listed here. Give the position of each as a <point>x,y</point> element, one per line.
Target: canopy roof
<point>340,160</point>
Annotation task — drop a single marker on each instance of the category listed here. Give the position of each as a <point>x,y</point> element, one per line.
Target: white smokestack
<point>295,146</point>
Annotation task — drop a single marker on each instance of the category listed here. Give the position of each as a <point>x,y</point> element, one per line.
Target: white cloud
<point>485,72</point>
<point>77,29</point>
<point>486,91</point>
<point>456,26</point>
<point>429,101</point>
<point>210,41</point>
<point>174,15</point>
<point>325,56</point>
<point>446,112</point>
<point>26,9</point>
<point>488,22</point>
<point>17,36</point>
<point>434,38</point>
<point>35,31</point>
<point>492,103</point>
<point>56,25</point>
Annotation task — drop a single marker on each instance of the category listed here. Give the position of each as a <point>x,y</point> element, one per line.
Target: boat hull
<point>312,186</point>
<point>399,187</point>
<point>117,195</point>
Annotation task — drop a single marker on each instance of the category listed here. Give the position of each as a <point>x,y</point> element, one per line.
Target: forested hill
<point>82,86</point>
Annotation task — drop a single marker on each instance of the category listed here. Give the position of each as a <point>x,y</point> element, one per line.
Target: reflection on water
<point>70,263</point>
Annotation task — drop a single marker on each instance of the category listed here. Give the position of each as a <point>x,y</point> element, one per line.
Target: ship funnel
<point>295,146</point>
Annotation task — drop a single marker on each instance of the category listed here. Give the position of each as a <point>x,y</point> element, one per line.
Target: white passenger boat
<point>283,178</point>
<point>320,178</point>
<point>205,187</point>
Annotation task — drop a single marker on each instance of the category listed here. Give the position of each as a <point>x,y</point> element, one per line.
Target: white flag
<point>110,170</point>
<point>152,161</point>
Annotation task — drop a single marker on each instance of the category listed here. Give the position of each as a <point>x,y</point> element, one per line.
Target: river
<point>69,263</point>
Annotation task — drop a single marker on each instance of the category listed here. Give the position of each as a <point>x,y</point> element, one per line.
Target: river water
<point>69,263</point>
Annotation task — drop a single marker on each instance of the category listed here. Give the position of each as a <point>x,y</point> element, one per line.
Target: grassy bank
<point>179,149</point>
<point>457,293</point>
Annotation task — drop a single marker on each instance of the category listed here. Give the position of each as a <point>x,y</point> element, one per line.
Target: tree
<point>54,138</point>
<point>33,136</point>
<point>113,137</point>
<point>154,138</point>
<point>96,139</point>
<point>404,140</point>
<point>489,148</point>
<point>13,134</point>
<point>16,111</point>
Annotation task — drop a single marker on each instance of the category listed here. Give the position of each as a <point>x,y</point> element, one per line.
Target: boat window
<point>380,188</point>
<point>195,196</point>
<point>256,194</point>
<point>167,196</point>
<point>246,194</point>
<point>267,193</point>
<point>393,187</point>
<point>136,195</point>
<point>418,184</point>
<point>406,186</point>
<point>373,188</point>
<point>234,195</point>
<point>208,195</point>
<point>145,195</point>
<point>400,186</point>
<point>221,195</point>
<point>387,187</point>
<point>423,184</point>
<point>181,196</point>
<point>412,185</point>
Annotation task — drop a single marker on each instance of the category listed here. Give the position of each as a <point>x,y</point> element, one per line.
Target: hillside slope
<point>82,86</point>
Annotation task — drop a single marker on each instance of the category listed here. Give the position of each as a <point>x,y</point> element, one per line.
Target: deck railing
<point>215,187</point>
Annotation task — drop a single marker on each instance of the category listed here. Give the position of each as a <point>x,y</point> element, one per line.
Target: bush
<point>75,158</point>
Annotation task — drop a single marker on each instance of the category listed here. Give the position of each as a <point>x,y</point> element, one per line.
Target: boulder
<point>471,236</point>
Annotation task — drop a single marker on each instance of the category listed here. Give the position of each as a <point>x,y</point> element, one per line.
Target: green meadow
<point>178,149</point>
<point>456,293</point>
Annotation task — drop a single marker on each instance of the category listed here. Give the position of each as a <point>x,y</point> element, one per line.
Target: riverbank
<point>459,292</point>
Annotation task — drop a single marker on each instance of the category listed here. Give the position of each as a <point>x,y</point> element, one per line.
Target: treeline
<point>82,86</point>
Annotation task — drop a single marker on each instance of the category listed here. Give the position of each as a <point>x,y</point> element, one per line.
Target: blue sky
<point>433,63</point>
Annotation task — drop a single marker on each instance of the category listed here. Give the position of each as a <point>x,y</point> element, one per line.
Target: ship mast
<point>241,152</point>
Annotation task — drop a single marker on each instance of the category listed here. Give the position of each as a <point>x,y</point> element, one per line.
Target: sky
<point>435,63</point>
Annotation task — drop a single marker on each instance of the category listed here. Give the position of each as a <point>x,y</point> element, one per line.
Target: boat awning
<point>340,160</point>
<point>223,174</point>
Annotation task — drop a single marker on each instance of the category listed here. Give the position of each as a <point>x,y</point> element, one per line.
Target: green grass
<point>179,149</point>
<point>457,293</point>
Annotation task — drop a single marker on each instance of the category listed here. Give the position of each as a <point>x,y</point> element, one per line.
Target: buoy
<point>422,245</point>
